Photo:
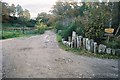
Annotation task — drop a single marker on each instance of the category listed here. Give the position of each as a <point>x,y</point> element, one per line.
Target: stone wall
<point>85,43</point>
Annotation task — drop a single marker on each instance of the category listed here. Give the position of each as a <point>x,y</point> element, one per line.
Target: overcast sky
<point>34,6</point>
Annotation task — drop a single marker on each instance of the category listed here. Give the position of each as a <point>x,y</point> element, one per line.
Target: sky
<point>34,6</point>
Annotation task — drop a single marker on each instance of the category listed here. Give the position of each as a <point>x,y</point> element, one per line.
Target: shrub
<point>68,31</point>
<point>59,38</point>
<point>114,43</point>
<point>40,28</point>
<point>58,26</point>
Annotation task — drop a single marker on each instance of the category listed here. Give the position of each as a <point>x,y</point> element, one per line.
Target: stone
<point>63,40</point>
<point>80,41</point>
<point>101,48</point>
<point>68,44</point>
<point>71,45</point>
<point>117,52</point>
<point>95,47</point>
<point>113,51</point>
<point>91,45</point>
<point>88,45</point>
<point>73,34</point>
<point>75,43</point>
<point>74,39</point>
<point>108,50</point>
<point>69,39</point>
<point>84,42</point>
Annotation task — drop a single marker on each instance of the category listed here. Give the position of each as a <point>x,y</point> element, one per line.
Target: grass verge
<point>17,34</point>
<point>82,51</point>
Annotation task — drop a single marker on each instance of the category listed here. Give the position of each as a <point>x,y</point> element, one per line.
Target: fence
<point>85,43</point>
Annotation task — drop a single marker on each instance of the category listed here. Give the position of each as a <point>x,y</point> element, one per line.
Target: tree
<point>12,9</point>
<point>26,14</point>
<point>5,12</point>
<point>24,17</point>
<point>19,10</point>
<point>43,17</point>
<point>0,12</point>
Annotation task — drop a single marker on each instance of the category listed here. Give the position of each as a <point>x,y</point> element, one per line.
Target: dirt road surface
<point>41,57</point>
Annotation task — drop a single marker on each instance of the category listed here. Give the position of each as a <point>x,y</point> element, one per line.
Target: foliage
<point>96,20</point>
<point>58,26</point>
<point>12,9</point>
<point>41,27</point>
<point>43,17</point>
<point>19,10</point>
<point>59,38</point>
<point>113,43</point>
<point>67,31</point>
<point>90,18</point>
<point>9,14</point>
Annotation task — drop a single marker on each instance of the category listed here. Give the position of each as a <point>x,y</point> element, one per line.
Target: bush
<point>114,43</point>
<point>58,26</point>
<point>80,30</point>
<point>40,28</point>
<point>59,38</point>
<point>68,31</point>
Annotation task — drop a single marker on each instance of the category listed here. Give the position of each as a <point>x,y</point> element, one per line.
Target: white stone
<point>88,45</point>
<point>71,44</point>
<point>101,48</point>
<point>74,37</point>
<point>69,39</point>
<point>62,40</point>
<point>117,52</point>
<point>91,45</point>
<point>80,41</point>
<point>108,50</point>
<point>84,42</point>
<point>113,51</point>
<point>95,47</point>
<point>73,34</point>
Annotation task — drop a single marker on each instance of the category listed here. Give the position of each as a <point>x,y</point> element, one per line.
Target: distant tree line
<point>15,15</point>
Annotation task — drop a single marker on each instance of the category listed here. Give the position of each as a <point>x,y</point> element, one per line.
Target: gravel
<point>41,57</point>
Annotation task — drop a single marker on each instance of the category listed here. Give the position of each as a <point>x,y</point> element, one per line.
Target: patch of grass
<point>83,51</point>
<point>10,34</point>
<point>17,33</point>
<point>59,38</point>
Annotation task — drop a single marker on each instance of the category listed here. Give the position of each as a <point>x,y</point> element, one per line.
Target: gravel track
<point>41,57</point>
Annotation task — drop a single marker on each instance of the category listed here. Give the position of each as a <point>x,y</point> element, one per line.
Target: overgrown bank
<point>83,51</point>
